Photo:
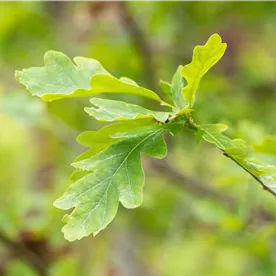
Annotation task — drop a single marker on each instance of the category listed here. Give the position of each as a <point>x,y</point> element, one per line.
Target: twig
<point>191,124</point>
<point>254,176</point>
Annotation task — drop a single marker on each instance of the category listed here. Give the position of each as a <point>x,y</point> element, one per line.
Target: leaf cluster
<point>110,171</point>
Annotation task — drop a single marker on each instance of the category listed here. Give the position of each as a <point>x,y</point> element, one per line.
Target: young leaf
<point>101,83</point>
<point>109,110</point>
<point>204,57</point>
<point>174,89</point>
<point>61,78</point>
<point>116,176</point>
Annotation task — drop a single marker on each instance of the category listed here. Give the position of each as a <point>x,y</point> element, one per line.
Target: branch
<point>201,189</point>
<point>253,175</point>
<point>192,125</point>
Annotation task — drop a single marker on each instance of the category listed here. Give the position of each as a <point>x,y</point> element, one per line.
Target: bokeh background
<point>201,214</point>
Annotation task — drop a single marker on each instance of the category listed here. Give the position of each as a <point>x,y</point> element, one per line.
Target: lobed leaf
<point>116,175</point>
<point>204,57</point>
<point>109,110</point>
<point>61,78</point>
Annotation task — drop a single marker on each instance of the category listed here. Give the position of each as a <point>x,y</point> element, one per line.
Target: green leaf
<point>116,175</point>
<point>165,88</point>
<point>237,150</point>
<point>61,78</point>
<point>101,83</point>
<point>268,146</point>
<point>204,57</point>
<point>109,110</point>
<point>176,89</point>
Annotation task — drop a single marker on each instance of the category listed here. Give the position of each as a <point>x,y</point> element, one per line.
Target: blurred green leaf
<point>109,110</point>
<point>19,268</point>
<point>67,266</point>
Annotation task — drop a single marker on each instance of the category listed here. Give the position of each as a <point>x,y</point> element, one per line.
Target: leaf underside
<point>114,175</point>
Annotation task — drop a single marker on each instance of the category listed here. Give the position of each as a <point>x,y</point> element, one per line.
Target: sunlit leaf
<point>61,78</point>
<point>101,139</point>
<point>268,146</point>
<point>204,57</point>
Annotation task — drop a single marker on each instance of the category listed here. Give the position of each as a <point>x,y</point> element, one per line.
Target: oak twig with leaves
<point>110,172</point>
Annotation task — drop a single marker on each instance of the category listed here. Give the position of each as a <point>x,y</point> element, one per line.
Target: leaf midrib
<point>110,182</point>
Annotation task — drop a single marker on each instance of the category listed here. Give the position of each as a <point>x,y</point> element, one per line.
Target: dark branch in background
<point>141,43</point>
<point>202,189</point>
<point>19,250</point>
<point>191,184</point>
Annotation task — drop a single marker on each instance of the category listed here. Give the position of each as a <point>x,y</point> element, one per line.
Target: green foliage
<point>115,175</point>
<point>108,110</point>
<point>19,268</point>
<point>110,172</point>
<point>174,89</point>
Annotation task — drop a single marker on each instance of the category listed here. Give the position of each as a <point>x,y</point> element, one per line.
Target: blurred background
<point>201,214</point>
